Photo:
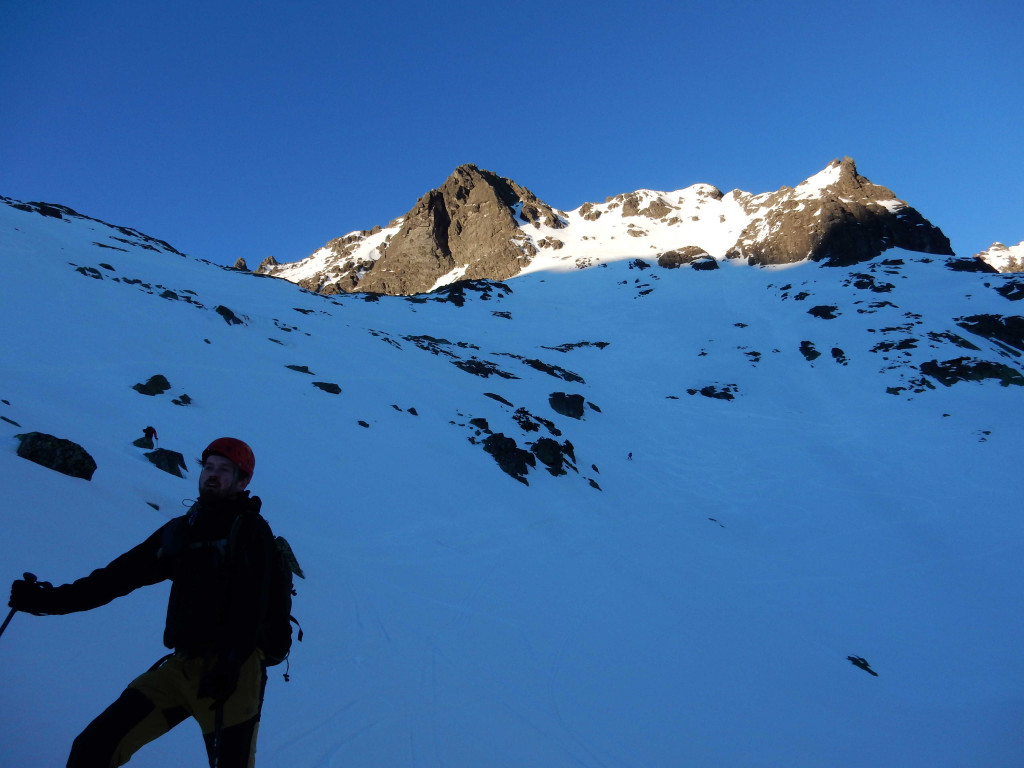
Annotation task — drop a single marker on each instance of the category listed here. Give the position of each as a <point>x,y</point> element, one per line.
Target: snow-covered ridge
<point>685,226</point>
<point>1004,258</point>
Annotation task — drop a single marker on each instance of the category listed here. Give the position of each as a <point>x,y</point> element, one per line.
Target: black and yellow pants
<point>163,697</point>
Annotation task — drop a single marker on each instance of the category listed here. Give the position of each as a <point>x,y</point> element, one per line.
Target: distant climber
<point>148,439</point>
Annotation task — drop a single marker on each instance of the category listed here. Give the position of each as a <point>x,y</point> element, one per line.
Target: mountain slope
<point>686,592</point>
<point>478,225</point>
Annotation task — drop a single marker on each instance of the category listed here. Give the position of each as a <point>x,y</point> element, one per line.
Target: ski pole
<point>30,578</point>
<point>218,727</point>
<point>8,620</point>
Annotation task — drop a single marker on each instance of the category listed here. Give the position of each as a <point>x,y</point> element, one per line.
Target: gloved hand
<point>31,596</point>
<point>220,680</point>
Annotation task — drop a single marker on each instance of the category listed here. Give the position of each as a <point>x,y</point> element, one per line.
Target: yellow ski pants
<point>158,700</point>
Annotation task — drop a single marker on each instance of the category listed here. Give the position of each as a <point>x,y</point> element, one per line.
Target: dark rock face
<point>171,462</point>
<point>851,221</point>
<point>155,385</point>
<point>512,459</point>
<point>685,255</point>
<point>566,405</point>
<point>1012,290</point>
<point>971,264</point>
<point>825,311</point>
<point>950,372</point>
<point>56,453</point>
<point>470,220</point>
<point>229,317</point>
<point>809,352</point>
<point>1004,330</point>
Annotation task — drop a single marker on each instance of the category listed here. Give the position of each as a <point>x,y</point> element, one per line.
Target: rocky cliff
<point>837,217</point>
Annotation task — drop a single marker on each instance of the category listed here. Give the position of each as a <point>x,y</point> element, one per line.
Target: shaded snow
<point>697,610</point>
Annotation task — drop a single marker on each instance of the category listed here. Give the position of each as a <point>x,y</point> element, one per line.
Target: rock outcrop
<point>836,217</point>
<point>470,225</point>
<point>467,229</point>
<point>1004,258</point>
<point>56,453</point>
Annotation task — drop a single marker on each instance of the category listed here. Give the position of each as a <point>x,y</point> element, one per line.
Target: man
<point>220,572</point>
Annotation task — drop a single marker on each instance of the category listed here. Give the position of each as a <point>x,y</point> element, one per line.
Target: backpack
<point>275,635</point>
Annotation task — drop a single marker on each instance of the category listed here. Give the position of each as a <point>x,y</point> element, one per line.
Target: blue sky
<point>251,129</point>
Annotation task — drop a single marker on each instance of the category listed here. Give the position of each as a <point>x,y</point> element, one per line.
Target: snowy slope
<point>696,607</point>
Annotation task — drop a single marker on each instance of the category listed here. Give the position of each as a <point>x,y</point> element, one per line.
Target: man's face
<point>219,478</point>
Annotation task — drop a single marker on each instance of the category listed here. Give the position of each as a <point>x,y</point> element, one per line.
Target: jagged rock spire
<point>469,225</point>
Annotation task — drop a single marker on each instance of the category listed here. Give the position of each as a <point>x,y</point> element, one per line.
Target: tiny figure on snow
<point>148,440</point>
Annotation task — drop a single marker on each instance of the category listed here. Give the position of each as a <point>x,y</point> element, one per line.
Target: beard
<point>212,491</point>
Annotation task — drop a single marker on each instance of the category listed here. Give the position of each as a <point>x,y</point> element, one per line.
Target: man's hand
<point>32,596</point>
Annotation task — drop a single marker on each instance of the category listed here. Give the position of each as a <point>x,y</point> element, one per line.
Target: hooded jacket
<point>219,573</point>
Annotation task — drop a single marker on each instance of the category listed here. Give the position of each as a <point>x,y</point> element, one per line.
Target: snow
<point>697,610</point>
<point>823,179</point>
<point>894,206</point>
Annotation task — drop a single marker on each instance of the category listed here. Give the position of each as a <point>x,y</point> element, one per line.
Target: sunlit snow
<point>698,609</point>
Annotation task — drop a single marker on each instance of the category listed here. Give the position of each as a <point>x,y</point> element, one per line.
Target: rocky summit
<point>1004,258</point>
<point>479,225</point>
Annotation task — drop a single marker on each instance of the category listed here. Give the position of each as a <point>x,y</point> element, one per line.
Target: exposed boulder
<point>229,317</point>
<point>566,405</point>
<point>171,462</point>
<point>155,385</point>
<point>685,255</point>
<point>512,459</point>
<point>716,392</point>
<point>554,455</point>
<point>56,453</point>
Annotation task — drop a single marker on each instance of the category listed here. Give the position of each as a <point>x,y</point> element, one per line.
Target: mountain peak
<point>480,225</point>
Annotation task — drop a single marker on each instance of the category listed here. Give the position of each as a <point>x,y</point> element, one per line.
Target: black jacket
<point>219,576</point>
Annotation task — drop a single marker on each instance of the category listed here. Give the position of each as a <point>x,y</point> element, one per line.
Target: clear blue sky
<point>248,129</point>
